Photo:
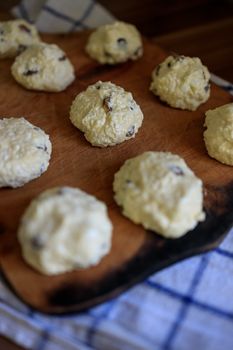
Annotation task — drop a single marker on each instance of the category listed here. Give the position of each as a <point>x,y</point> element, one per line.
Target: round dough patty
<point>25,152</point>
<point>182,82</point>
<point>159,191</point>
<point>115,43</point>
<point>64,229</point>
<point>16,36</point>
<point>106,113</point>
<point>43,67</point>
<point>218,136</point>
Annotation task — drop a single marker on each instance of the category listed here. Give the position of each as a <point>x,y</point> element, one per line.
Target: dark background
<point>157,17</point>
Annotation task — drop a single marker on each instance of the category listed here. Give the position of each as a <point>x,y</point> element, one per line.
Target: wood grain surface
<point>135,253</point>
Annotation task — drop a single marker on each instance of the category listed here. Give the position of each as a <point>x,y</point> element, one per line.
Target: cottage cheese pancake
<point>106,113</point>
<point>25,152</point>
<point>159,191</point>
<point>64,229</point>
<point>43,67</point>
<point>115,43</point>
<point>182,82</point>
<point>218,135</point>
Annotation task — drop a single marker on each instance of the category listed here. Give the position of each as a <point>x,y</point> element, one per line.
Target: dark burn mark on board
<point>71,294</point>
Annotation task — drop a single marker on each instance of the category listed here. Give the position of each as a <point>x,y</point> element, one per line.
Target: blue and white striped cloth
<point>186,306</point>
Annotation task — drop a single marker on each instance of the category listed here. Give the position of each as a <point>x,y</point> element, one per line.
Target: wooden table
<point>212,42</point>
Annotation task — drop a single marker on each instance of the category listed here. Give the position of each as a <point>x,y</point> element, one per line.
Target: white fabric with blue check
<point>186,306</point>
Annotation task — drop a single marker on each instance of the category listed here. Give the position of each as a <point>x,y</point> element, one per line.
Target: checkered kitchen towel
<point>56,16</point>
<point>186,306</point>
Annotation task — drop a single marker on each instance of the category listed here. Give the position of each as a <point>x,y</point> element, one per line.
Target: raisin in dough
<point>218,136</point>
<point>115,43</point>
<point>106,113</point>
<point>43,67</point>
<point>159,191</point>
<point>182,82</point>
<point>16,36</point>
<point>25,152</point>
<point>64,229</point>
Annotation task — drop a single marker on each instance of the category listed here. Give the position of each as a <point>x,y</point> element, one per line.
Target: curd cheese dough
<point>115,43</point>
<point>218,136</point>
<point>106,113</point>
<point>182,82</point>
<point>16,36</point>
<point>64,229</point>
<point>43,67</point>
<point>159,191</point>
<point>25,152</point>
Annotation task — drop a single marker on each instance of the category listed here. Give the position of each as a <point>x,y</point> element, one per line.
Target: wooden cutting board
<point>135,253</point>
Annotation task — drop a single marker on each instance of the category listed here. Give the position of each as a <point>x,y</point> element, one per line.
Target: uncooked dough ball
<point>115,43</point>
<point>219,133</point>
<point>64,229</point>
<point>106,113</point>
<point>16,36</point>
<point>43,67</point>
<point>182,82</point>
<point>25,152</point>
<point>159,191</point>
